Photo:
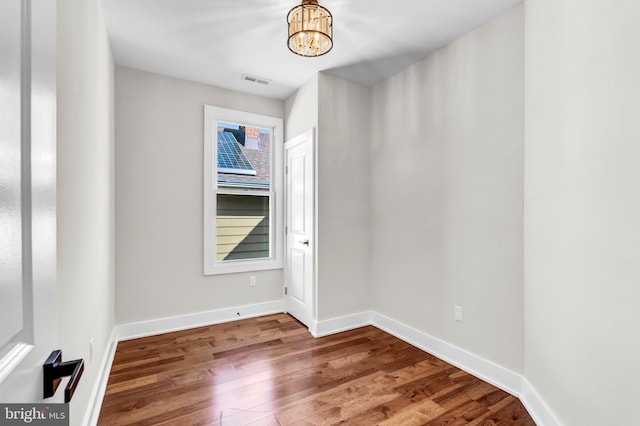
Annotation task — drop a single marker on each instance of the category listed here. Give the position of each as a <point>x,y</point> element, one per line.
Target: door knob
<point>53,371</point>
<point>305,242</point>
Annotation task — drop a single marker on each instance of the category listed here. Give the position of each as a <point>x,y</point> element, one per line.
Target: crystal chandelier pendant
<point>310,29</point>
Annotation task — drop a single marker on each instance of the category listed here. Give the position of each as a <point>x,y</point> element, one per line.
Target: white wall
<point>582,208</point>
<point>85,190</point>
<point>159,200</point>
<point>340,112</point>
<point>301,109</point>
<point>344,197</point>
<point>447,192</point>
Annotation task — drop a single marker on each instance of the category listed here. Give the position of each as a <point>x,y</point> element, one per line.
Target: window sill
<point>240,266</point>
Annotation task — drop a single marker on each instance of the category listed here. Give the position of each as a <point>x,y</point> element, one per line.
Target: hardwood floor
<point>271,371</point>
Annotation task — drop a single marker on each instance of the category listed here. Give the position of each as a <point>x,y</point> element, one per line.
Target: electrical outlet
<point>91,349</point>
<point>457,313</point>
<point>252,281</point>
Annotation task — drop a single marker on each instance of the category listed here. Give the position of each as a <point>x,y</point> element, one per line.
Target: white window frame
<point>212,116</point>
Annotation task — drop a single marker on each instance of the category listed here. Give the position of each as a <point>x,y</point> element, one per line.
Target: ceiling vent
<point>254,79</point>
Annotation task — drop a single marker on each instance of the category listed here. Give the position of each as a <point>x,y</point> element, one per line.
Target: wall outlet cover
<point>457,313</point>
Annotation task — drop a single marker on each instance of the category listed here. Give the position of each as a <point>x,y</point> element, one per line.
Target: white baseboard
<point>535,405</point>
<point>183,322</point>
<point>336,325</point>
<point>100,386</point>
<point>484,369</point>
<point>488,371</point>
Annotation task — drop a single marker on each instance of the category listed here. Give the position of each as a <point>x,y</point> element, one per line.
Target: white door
<point>28,331</point>
<point>300,228</point>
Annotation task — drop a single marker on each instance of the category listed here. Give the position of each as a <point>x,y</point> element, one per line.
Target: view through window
<point>243,184</point>
<point>242,221</point>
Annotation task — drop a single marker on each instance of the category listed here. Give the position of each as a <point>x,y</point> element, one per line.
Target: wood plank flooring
<point>271,371</point>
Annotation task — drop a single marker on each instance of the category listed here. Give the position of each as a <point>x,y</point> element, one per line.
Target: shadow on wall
<point>255,245</point>
<point>242,225</point>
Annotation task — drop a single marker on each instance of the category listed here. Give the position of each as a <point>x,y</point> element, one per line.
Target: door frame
<point>308,136</point>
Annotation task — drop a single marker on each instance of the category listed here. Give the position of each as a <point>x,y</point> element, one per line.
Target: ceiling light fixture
<point>310,29</point>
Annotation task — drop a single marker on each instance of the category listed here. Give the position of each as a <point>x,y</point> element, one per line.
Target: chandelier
<point>310,29</point>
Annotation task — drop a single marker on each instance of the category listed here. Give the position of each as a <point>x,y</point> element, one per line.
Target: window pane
<point>242,224</point>
<point>243,156</point>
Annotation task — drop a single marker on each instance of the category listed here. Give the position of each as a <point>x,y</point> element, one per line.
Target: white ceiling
<point>216,41</point>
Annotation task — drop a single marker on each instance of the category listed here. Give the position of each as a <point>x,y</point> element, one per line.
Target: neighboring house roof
<point>252,159</point>
<point>231,159</point>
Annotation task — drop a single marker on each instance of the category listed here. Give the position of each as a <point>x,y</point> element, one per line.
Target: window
<point>243,181</point>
